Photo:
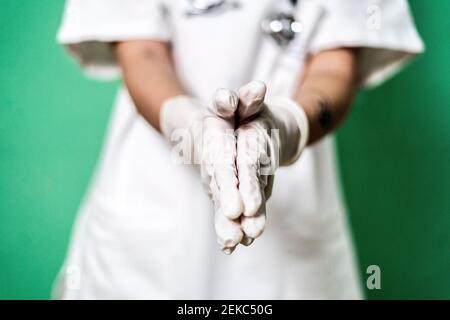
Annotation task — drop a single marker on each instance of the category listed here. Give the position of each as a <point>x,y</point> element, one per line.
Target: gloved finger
<point>219,164</point>
<point>248,153</point>
<point>229,196</point>
<point>229,232</point>
<point>254,226</point>
<point>224,175</point>
<point>224,104</point>
<point>251,99</point>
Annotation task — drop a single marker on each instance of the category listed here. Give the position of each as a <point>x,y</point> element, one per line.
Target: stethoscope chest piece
<point>282,27</point>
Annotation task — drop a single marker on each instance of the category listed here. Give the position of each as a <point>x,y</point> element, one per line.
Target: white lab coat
<point>145,229</point>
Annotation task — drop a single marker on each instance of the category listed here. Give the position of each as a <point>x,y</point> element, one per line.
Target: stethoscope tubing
<point>281,26</point>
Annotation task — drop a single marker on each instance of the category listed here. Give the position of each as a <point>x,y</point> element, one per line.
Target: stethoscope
<point>281,25</point>
<point>204,7</point>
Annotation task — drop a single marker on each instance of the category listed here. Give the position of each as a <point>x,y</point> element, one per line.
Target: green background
<point>394,151</point>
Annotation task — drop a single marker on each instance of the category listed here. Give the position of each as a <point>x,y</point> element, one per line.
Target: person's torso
<point>157,209</point>
<point>219,48</point>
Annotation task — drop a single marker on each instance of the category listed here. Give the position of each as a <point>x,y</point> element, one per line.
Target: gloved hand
<point>206,137</point>
<point>270,133</point>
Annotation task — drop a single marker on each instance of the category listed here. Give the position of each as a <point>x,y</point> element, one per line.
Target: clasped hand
<point>243,140</point>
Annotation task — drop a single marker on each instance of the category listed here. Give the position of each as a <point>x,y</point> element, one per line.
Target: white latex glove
<point>260,150</point>
<point>239,193</point>
<point>208,133</point>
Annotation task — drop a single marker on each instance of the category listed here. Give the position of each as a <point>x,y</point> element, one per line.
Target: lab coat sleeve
<point>383,29</point>
<point>89,27</point>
